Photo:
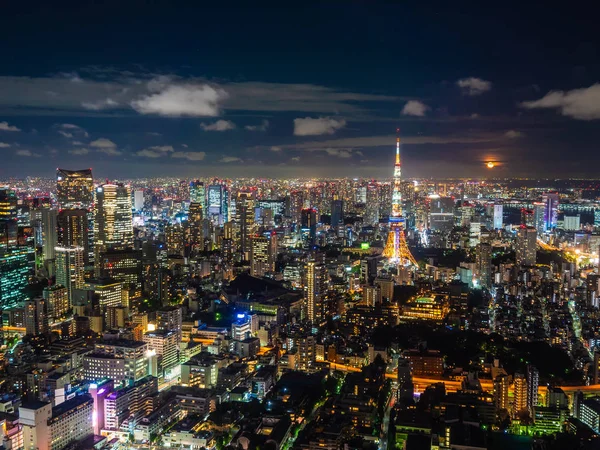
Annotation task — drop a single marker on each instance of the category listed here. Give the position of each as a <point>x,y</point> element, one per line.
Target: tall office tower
<point>70,269</point>
<point>218,204</point>
<point>122,265</point>
<point>550,201</point>
<point>484,264</point>
<point>308,223</point>
<point>264,253</point>
<point>315,288</point>
<point>8,218</point>
<point>501,385</point>
<point>498,216</point>
<point>396,248</point>
<point>57,301</point>
<point>527,217</point>
<point>15,268</point>
<point>526,246</point>
<point>121,360</point>
<point>75,189</point>
<point>337,213</point>
<point>441,213</point>
<point>245,220</point>
<point>138,200</point>
<point>533,382</point>
<point>73,230</point>
<point>113,222</point>
<point>385,200</point>
<point>198,193</point>
<point>538,217</point>
<point>36,316</point>
<point>372,205</point>
<point>296,206</point>
<point>520,394</point>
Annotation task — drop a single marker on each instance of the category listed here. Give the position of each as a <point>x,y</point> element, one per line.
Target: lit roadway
<point>422,383</point>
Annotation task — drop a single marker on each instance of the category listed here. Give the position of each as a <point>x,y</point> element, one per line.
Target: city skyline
<point>258,96</point>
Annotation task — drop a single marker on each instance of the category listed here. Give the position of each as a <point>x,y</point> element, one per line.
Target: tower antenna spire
<point>396,248</point>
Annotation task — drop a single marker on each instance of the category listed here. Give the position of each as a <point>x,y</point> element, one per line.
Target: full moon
<point>491,165</point>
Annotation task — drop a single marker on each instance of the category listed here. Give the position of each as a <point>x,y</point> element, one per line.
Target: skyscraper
<point>198,193</point>
<point>484,264</point>
<point>264,252</point>
<point>372,205</point>
<point>113,222</point>
<point>315,287</point>
<point>309,222</point>
<point>8,218</point>
<point>498,216</point>
<point>245,220</point>
<point>44,220</point>
<point>337,213</point>
<point>73,229</point>
<point>15,268</point>
<point>69,269</point>
<point>526,246</point>
<point>550,201</point>
<point>75,189</point>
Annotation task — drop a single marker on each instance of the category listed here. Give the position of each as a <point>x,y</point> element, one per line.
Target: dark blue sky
<point>299,88</point>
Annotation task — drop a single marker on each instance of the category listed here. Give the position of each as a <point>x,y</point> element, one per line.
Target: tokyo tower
<point>396,248</point>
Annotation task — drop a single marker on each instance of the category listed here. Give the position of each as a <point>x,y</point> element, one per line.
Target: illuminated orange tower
<point>396,248</point>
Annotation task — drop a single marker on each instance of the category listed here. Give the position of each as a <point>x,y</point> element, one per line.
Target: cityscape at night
<point>336,226</point>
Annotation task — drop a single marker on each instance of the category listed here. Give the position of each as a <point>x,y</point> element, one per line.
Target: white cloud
<point>77,143</point>
<point>79,151</point>
<point>4,145</point>
<point>192,156</point>
<point>111,151</point>
<point>4,126</point>
<point>474,86</point>
<point>29,153</point>
<point>582,104</point>
<point>219,125</point>
<point>514,134</point>
<point>172,96</point>
<point>229,159</point>
<point>295,159</point>
<point>193,100</point>
<point>156,151</point>
<point>262,127</point>
<point>474,116</point>
<point>314,127</point>
<point>73,130</point>
<point>65,134</point>
<point>415,108</point>
<point>339,152</point>
<point>99,105</point>
<point>275,149</point>
<point>103,143</point>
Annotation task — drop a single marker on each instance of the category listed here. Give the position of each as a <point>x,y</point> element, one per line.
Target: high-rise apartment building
<point>57,300</point>
<point>520,394</point>
<point>36,316</point>
<point>314,288</point>
<point>70,268</point>
<point>198,193</point>
<point>337,213</point>
<point>526,246</point>
<point>484,264</point>
<point>263,255</point>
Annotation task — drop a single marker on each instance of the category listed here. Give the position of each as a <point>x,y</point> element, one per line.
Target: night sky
<point>300,89</point>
